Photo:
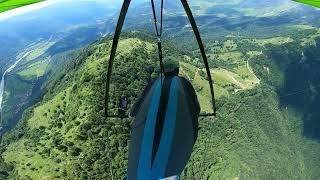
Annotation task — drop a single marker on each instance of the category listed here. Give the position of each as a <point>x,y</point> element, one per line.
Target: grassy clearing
<point>38,50</point>
<point>241,79</point>
<point>127,45</point>
<point>187,70</point>
<point>6,5</point>
<point>42,48</point>
<point>201,85</point>
<point>226,81</point>
<point>249,79</point>
<point>36,69</point>
<point>273,41</point>
<point>230,57</point>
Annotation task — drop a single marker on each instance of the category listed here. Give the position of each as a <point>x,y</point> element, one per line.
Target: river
<point>3,77</point>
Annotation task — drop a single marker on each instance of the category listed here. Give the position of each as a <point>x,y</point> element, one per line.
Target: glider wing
<point>6,5</point>
<point>315,3</point>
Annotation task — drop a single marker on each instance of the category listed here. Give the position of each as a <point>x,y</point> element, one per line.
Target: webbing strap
<point>115,42</point>
<point>202,50</point>
<point>159,33</point>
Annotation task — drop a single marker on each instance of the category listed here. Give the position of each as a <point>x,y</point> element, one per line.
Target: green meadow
<point>6,5</point>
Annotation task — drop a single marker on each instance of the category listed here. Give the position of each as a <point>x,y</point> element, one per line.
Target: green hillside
<point>315,3</point>
<point>6,5</point>
<point>254,136</point>
<point>67,129</point>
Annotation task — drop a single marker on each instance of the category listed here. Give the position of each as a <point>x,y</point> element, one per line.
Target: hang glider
<point>315,3</point>
<point>6,5</point>
<point>165,125</point>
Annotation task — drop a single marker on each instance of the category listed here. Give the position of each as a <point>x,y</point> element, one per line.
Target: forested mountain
<point>255,135</point>
<point>266,70</point>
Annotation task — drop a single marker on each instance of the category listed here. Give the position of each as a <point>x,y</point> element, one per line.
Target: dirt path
<point>251,71</point>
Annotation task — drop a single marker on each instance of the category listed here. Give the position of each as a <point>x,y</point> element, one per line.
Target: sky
<point>33,7</point>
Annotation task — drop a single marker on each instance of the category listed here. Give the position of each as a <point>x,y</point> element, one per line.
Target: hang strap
<point>159,33</point>
<point>202,50</point>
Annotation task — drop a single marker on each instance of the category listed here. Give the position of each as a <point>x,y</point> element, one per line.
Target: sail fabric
<point>164,130</point>
<point>315,3</point>
<point>6,5</point>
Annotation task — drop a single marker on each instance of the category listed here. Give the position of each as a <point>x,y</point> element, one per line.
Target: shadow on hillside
<point>301,90</point>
